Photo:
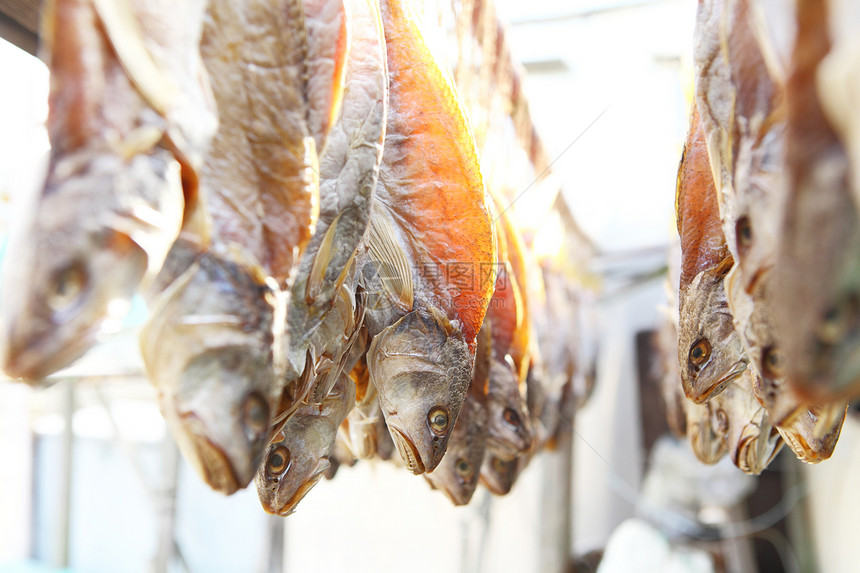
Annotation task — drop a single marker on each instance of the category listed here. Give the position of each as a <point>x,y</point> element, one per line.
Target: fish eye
<point>278,462</point>
<point>837,321</point>
<point>722,422</point>
<point>255,414</point>
<point>772,362</point>
<point>438,419</point>
<point>743,232</point>
<point>700,352</point>
<point>511,417</point>
<point>67,286</point>
<point>499,466</point>
<point>463,469</point>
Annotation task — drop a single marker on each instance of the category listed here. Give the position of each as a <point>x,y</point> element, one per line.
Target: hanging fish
<point>210,359</point>
<point>510,429</point>
<point>816,282</point>
<point>437,290</point>
<point>498,475</point>
<point>417,366</point>
<point>752,441</point>
<point>259,192</point>
<point>710,351</point>
<point>457,475</point>
<point>130,117</point>
<point>349,167</point>
<point>812,434</point>
<point>299,454</point>
<point>703,432</point>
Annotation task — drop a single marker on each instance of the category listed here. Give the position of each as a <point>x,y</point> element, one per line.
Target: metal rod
<point>61,549</point>
<point>167,506</point>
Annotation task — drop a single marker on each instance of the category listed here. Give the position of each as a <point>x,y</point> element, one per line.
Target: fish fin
<point>322,260</point>
<point>393,266</point>
<point>324,388</point>
<point>723,267</point>
<point>126,37</point>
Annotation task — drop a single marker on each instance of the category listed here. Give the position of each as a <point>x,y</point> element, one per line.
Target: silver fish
<point>299,455</point>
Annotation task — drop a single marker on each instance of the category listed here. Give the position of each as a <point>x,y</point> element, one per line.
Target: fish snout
<point>214,466</point>
<point>407,450</point>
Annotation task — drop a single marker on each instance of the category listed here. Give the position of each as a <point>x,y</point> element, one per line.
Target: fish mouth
<point>407,450</point>
<point>800,447</point>
<point>290,505</point>
<point>751,455</point>
<point>459,493</point>
<point>460,496</point>
<point>502,449</point>
<point>214,465</point>
<point>499,483</point>
<point>733,374</point>
<point>706,446</point>
<point>785,408</point>
<point>31,359</point>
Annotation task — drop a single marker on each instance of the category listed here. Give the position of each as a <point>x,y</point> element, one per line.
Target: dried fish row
<point>296,190</point>
<point>775,180</point>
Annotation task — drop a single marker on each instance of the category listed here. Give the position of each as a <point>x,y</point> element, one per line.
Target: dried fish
<point>299,455</point>
<point>710,351</point>
<point>457,475</point>
<point>417,365</point>
<point>751,440</point>
<point>210,358</point>
<point>349,167</point>
<point>423,346</point>
<point>817,271</point>
<point>130,117</point>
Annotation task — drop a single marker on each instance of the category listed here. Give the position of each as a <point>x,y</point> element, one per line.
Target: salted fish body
<point>349,168</point>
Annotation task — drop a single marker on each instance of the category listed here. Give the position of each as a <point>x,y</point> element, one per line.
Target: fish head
<point>816,290</point>
<point>302,452</point>
<point>752,441</point>
<point>758,204</point>
<point>710,350</point>
<point>221,422</point>
<point>421,368</point>
<point>294,463</point>
<point>756,447</point>
<point>705,432</point>
<point>499,475</point>
<point>64,276</point>
<point>208,348</point>
<point>813,433</point>
<point>458,472</point>
<point>769,385</point>
<point>510,427</point>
